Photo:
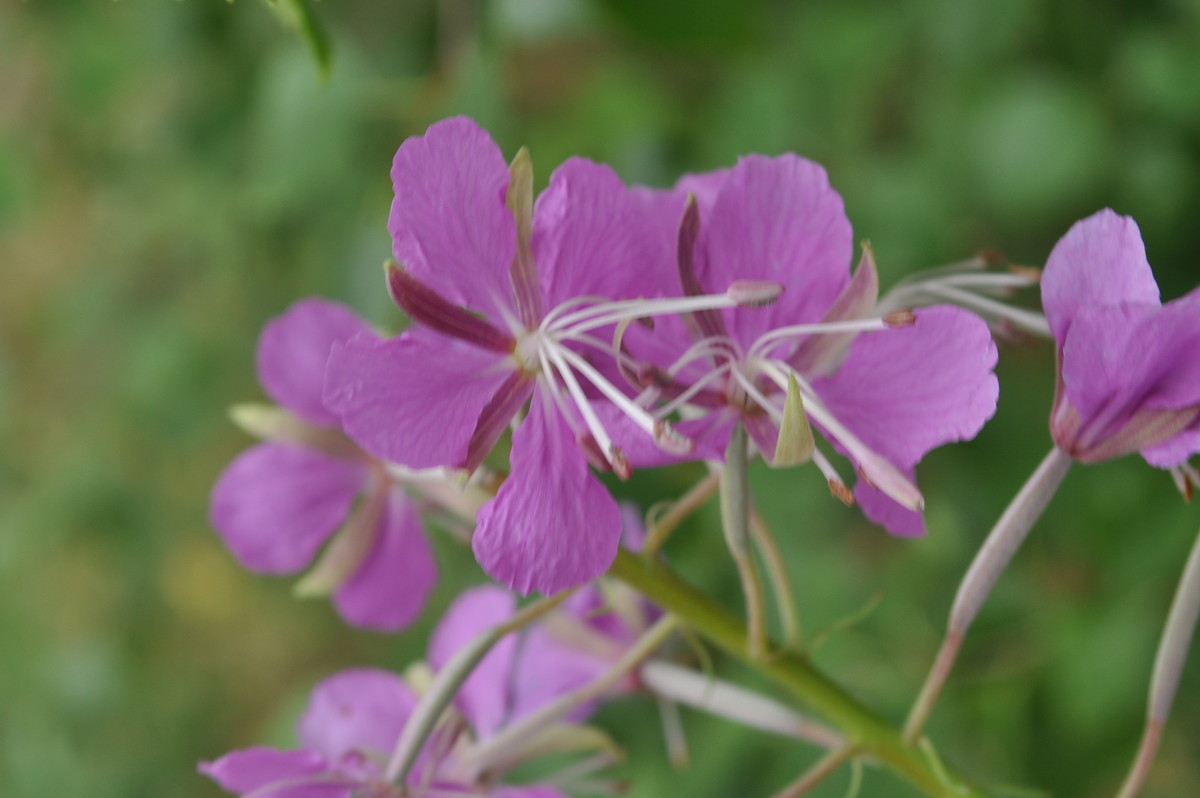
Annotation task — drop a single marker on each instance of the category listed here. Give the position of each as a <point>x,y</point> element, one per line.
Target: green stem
<point>873,736</point>
<point>735,521</point>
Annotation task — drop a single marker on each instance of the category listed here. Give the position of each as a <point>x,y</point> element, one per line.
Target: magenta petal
<point>1134,357</point>
<point>415,399</point>
<point>484,698</point>
<point>764,432</point>
<point>548,668</point>
<point>887,512</point>
<point>449,223</point>
<point>1175,450</point>
<point>907,390</point>
<point>1100,261</point>
<point>293,350</point>
<point>594,237</point>
<point>257,769</point>
<point>1131,374</point>
<point>356,711</point>
<point>776,219</point>
<point>552,524</point>
<point>389,589</point>
<point>275,504</point>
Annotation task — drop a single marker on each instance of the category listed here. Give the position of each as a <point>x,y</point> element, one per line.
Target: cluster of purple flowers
<point>523,311</point>
<point>355,718</point>
<point>612,328</point>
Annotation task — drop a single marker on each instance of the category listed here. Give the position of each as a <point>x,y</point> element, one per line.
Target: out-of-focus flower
<point>355,718</point>
<point>278,502</point>
<point>1128,365</point>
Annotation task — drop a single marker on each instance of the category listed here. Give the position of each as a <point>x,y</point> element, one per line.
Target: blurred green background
<point>172,174</point>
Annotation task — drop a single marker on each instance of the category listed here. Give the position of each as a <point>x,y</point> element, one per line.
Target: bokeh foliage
<point>172,174</point>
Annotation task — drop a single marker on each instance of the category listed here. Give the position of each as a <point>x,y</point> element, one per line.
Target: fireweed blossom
<point>278,502</point>
<point>515,304</point>
<point>882,390</point>
<point>355,718</point>
<point>1127,380</point>
<point>1128,369</point>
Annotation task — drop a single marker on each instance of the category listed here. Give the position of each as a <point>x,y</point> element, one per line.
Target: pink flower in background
<point>882,391</point>
<point>354,720</point>
<point>278,502</point>
<point>513,304</point>
<point>1129,366</point>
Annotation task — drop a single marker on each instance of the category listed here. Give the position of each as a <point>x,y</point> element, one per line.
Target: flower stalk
<point>735,522</point>
<point>448,682</point>
<point>993,557</point>
<point>795,674</point>
<point>1168,667</point>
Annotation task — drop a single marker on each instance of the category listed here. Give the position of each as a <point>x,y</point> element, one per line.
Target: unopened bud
<point>754,293</point>
<point>900,318</point>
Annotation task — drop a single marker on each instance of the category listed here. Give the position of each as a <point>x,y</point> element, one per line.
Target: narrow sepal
<point>708,323</point>
<point>526,290</point>
<point>795,445</point>
<point>426,306</point>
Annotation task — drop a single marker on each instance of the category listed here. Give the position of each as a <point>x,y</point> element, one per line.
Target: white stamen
<point>837,485</point>
<point>722,346</point>
<point>550,385</point>
<point>856,325</point>
<point>695,388</point>
<point>758,396</point>
<point>754,293</point>
<point>1028,320</point>
<point>550,318</point>
<point>610,391</point>
<point>612,312</point>
<point>995,283</point>
<point>607,349</point>
<point>581,402</point>
<point>879,471</point>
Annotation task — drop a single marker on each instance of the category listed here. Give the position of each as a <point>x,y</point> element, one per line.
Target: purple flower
<point>1129,373</point>
<point>354,720</point>
<point>513,305</point>
<point>278,502</point>
<point>883,391</point>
